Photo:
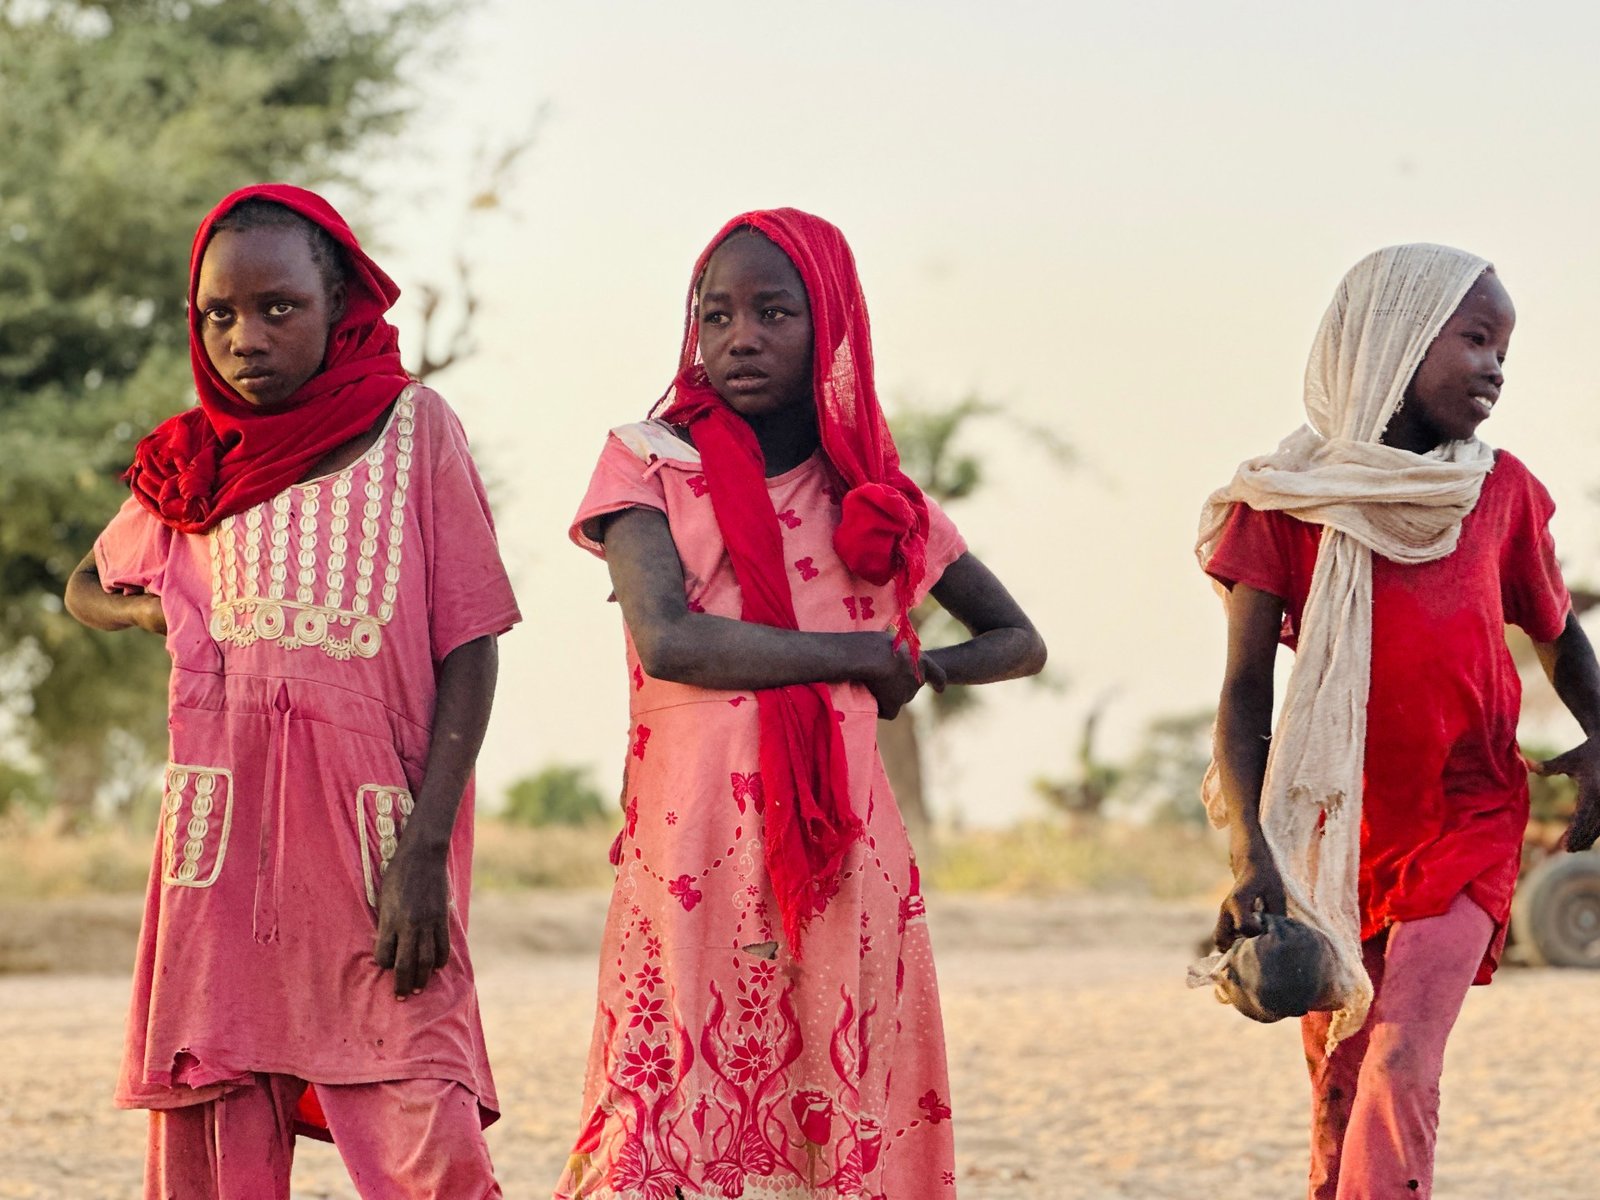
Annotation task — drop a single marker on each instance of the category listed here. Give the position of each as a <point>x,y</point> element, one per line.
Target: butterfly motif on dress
<point>790,518</point>
<point>747,787</point>
<point>638,677</point>
<point>698,485</point>
<point>641,736</point>
<point>683,888</point>
<point>807,571</point>
<point>859,607</point>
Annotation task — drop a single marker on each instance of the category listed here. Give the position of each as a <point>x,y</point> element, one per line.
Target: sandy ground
<point>1082,1068</point>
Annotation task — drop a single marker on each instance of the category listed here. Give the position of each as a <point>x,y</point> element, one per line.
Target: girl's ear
<point>337,296</point>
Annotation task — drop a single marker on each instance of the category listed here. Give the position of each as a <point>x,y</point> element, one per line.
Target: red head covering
<point>882,535</point>
<point>227,455</point>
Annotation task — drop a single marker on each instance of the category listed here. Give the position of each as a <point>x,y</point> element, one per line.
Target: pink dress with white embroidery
<point>721,1065</point>
<point>304,635</point>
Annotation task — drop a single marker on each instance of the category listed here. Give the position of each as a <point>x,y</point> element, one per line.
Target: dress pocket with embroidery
<point>197,811</point>
<point>381,815</point>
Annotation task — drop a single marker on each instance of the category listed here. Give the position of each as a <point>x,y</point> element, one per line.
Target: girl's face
<point>755,327</point>
<point>264,311</point>
<point>1459,380</point>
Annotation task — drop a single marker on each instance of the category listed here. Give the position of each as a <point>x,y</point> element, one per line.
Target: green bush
<point>557,795</point>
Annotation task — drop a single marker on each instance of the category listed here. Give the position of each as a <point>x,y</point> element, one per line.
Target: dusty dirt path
<point>1082,1069</point>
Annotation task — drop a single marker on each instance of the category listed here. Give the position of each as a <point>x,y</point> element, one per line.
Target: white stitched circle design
<point>269,621</point>
<point>366,637</point>
<point>310,626</point>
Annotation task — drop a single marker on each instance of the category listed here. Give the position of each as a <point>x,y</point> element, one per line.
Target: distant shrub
<point>557,795</point>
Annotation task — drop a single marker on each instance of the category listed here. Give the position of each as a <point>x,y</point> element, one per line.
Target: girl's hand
<point>896,682</point>
<point>1257,889</point>
<point>1582,765</point>
<point>413,919</point>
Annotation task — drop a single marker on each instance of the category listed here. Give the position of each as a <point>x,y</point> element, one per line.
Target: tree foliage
<point>936,451</point>
<point>123,121</point>
<point>557,795</point>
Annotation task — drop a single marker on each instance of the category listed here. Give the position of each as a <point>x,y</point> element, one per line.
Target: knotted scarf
<point>227,455</point>
<point>882,536</point>
<point>1369,498</point>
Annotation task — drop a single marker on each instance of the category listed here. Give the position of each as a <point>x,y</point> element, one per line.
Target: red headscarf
<point>227,455</point>
<point>882,536</point>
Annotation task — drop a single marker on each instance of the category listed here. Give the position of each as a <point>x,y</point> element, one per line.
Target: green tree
<point>557,795</point>
<point>935,451</point>
<point>122,122</point>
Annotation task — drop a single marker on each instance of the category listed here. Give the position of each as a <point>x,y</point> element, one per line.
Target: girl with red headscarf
<point>315,544</point>
<point>768,1021</point>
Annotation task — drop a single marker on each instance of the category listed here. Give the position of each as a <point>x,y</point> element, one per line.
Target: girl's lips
<point>1484,405</point>
<point>745,383</point>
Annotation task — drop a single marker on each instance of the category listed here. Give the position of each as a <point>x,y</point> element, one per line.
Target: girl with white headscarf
<point>1388,547</point>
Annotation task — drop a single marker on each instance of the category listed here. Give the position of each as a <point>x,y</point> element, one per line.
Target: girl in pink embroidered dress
<point>752,1038</point>
<point>333,663</point>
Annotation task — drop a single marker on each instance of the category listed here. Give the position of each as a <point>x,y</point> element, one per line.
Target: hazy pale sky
<point>1122,221</point>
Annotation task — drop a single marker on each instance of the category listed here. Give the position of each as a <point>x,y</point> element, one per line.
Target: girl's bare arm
<point>1004,643</point>
<point>1244,733</point>
<point>1569,662</point>
<point>87,599</point>
<point>414,900</point>
<point>720,652</point>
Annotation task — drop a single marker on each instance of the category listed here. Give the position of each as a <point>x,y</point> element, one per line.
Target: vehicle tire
<point>1556,914</point>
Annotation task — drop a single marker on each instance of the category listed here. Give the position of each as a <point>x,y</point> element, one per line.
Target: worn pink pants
<point>415,1138</point>
<point>1375,1099</point>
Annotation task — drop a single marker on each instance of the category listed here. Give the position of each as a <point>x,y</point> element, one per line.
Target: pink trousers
<point>1375,1099</point>
<point>414,1138</point>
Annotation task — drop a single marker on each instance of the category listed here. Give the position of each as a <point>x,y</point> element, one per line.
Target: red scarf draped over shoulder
<point>882,536</point>
<point>227,455</point>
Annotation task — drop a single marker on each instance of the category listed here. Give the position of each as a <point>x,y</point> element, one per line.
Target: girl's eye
<point>773,314</point>
<point>217,316</point>
<point>1477,339</point>
<point>281,309</point>
<point>714,318</point>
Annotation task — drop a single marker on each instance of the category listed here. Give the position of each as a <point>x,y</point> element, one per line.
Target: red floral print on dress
<point>749,1059</point>
<point>647,1066</point>
<point>647,1011</point>
<point>813,1113</point>
<point>683,888</point>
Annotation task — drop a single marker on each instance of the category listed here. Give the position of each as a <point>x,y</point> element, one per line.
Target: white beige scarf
<point>1370,498</point>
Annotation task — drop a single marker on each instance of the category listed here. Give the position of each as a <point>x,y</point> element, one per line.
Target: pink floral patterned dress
<point>721,1065</point>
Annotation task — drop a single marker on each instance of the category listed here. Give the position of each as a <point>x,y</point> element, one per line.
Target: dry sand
<point>1082,1068</point>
